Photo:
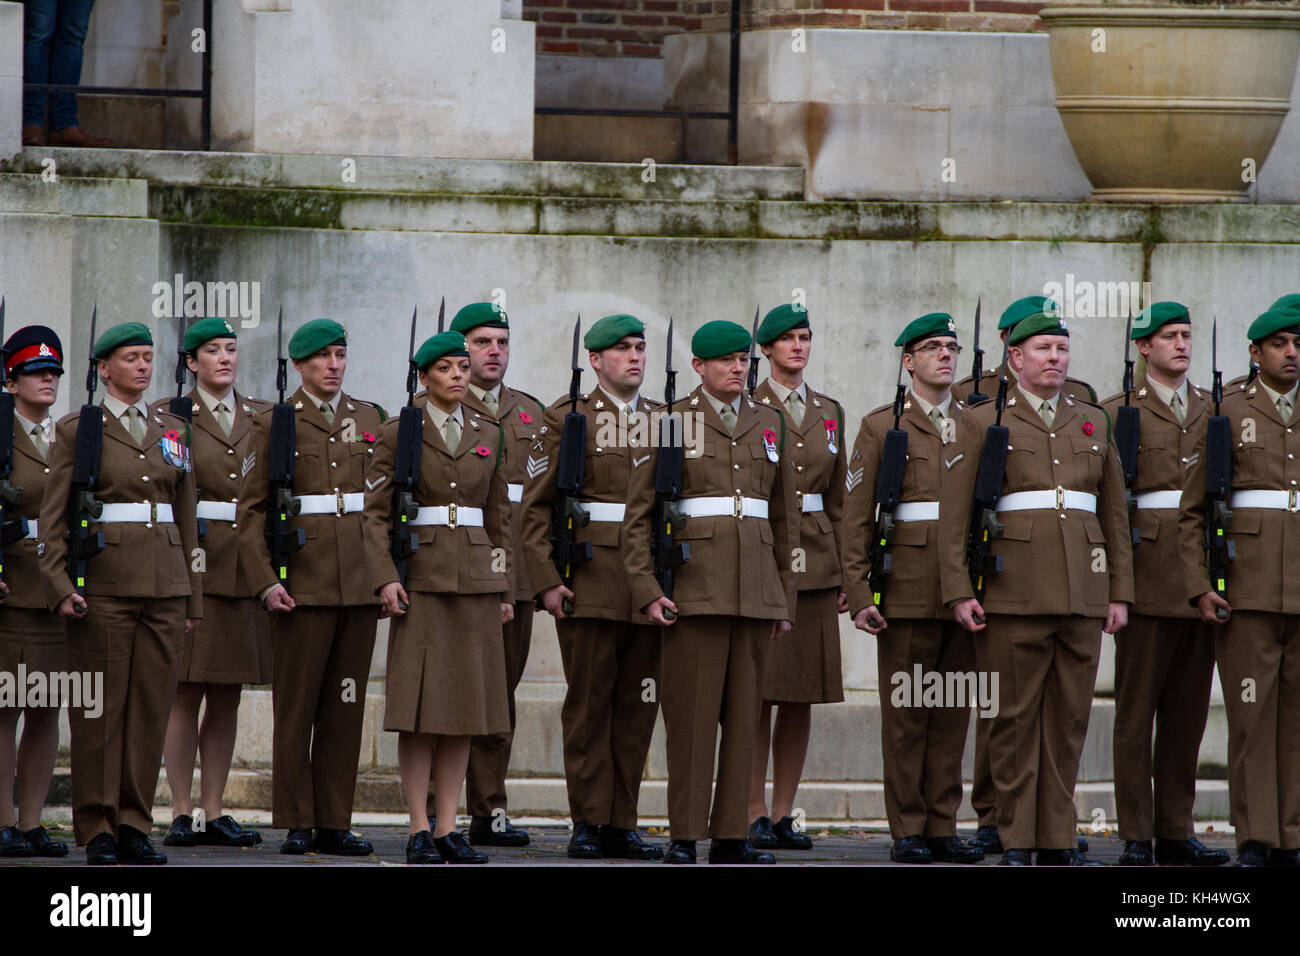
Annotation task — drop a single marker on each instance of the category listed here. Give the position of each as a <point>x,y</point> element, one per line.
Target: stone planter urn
<point>1174,102</point>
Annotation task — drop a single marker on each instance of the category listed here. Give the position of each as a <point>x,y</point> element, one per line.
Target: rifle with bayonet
<point>977,365</point>
<point>567,512</point>
<point>1218,485</point>
<point>402,540</point>
<point>669,553</point>
<point>181,406</point>
<point>11,530</point>
<point>82,508</point>
<point>1128,432</point>
<point>281,540</point>
<point>752,382</point>
<point>889,494</point>
<point>984,525</point>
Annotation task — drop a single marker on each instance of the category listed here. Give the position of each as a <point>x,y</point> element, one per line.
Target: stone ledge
<point>73,196</point>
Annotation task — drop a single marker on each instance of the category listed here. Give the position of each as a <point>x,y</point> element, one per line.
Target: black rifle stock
<point>889,494</point>
<point>669,553</point>
<point>567,513</point>
<point>1218,487</point>
<point>82,508</point>
<point>282,540</point>
<point>984,525</point>
<point>11,530</point>
<point>402,541</point>
<point>1128,433</point>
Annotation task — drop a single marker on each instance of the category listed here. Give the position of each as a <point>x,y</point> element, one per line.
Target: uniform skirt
<point>231,645</point>
<point>802,666</point>
<point>447,667</point>
<point>31,637</point>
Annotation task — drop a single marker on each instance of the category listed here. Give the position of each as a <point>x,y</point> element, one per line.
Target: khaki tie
<point>38,439</point>
<point>135,424</point>
<point>936,416</point>
<point>795,406</point>
<point>223,417</point>
<point>328,411</point>
<point>490,402</point>
<point>1176,405</point>
<point>1048,413</point>
<point>728,418</point>
<point>1284,407</point>
<point>451,433</point>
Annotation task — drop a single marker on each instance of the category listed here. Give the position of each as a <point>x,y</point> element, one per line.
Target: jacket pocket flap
<point>1017,527</point>
<point>1246,522</point>
<point>911,533</point>
<point>603,534</point>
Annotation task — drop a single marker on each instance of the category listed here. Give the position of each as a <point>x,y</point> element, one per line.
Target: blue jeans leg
<point>54,34</point>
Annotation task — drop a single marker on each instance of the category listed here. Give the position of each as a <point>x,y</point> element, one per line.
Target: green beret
<point>610,331</point>
<point>1156,315</point>
<point>480,313</point>
<point>127,333</point>
<point>1022,309</point>
<point>1040,323</point>
<point>1291,301</point>
<point>1274,320</point>
<point>314,336</point>
<point>933,323</point>
<point>719,337</point>
<point>780,321</point>
<point>439,346</point>
<point>205,330</point>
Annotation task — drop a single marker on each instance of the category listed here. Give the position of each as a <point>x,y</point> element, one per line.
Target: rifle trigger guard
<point>581,517</point>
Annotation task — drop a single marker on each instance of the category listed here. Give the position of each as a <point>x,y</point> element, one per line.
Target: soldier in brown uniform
<point>446,665</point>
<point>608,648</point>
<point>1164,657</point>
<point>802,666</point>
<point>1258,647</point>
<point>730,599</point>
<point>1067,576</point>
<point>30,636</point>
<point>323,629</point>
<point>922,747</point>
<point>142,593</point>
<point>232,646</point>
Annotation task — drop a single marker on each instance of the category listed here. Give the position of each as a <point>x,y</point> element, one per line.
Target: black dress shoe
<point>482,833</point>
<point>1279,857</point>
<point>13,843</point>
<point>420,849</point>
<point>181,832</point>
<point>1189,853</point>
<point>296,843</point>
<point>102,850</point>
<point>1137,853</point>
<point>987,839</point>
<point>45,845</point>
<point>342,843</point>
<point>1252,853</point>
<point>453,848</point>
<point>680,851</point>
<point>762,836</point>
<point>788,838</point>
<point>135,848</point>
<point>224,831</point>
<point>584,844</point>
<point>1065,858</point>
<point>619,844</point>
<point>1017,858</point>
<point>910,849</point>
<point>737,851</point>
<point>952,850</point>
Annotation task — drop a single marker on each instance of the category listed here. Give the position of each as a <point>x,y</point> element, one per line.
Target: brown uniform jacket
<point>912,586</point>
<point>1262,578</point>
<point>218,471</point>
<point>520,415</point>
<point>1164,447</point>
<point>1049,555</point>
<point>140,559</point>
<point>331,569</point>
<point>738,567</point>
<point>1074,387</point>
<point>449,560</point>
<point>600,587</point>
<point>818,470</point>
<point>22,570</point>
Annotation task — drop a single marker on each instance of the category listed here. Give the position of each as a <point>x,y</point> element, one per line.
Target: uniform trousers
<point>489,754</point>
<point>1262,649</point>
<point>922,746</point>
<point>1047,670</point>
<point>608,715</point>
<point>1163,670</point>
<point>983,795</point>
<point>318,691</point>
<point>712,674</point>
<point>135,643</point>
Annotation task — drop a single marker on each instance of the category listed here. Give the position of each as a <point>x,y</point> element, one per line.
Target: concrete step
<point>66,195</point>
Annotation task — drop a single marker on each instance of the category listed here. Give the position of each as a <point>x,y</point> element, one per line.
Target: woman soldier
<point>802,666</point>
<point>29,634</point>
<point>232,646</point>
<point>446,663</point>
<point>142,593</point>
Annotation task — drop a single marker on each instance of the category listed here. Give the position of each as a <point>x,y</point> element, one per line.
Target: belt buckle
<point>153,511</point>
<point>338,503</point>
<point>451,515</point>
<point>1291,504</point>
<point>738,506</point>
<point>1060,498</point>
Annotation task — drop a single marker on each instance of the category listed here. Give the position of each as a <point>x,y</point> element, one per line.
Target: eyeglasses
<point>934,348</point>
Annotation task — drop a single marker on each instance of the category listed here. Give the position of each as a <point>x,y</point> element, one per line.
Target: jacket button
<point>144,478</point>
<point>142,457</point>
<point>230,451</point>
<point>1056,461</point>
<point>233,475</point>
<point>334,464</point>
<point>148,524</point>
<point>798,467</point>
<point>47,471</point>
<point>331,439</point>
<point>1052,435</point>
<point>798,444</point>
<point>452,485</point>
<point>234,524</point>
<point>737,467</point>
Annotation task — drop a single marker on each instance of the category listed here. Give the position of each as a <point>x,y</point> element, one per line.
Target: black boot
<point>454,848</point>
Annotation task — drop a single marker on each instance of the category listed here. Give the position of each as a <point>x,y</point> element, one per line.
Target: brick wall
<point>637,27</point>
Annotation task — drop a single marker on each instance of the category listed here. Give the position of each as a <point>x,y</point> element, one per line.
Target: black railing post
<point>206,103</point>
<point>733,87</point>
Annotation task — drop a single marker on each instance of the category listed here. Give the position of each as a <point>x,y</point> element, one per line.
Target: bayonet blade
<point>279,334</point>
<point>668,364</point>
<point>978,304</point>
<point>2,318</point>
<point>752,382</point>
<point>442,311</point>
<point>411,351</point>
<point>577,327</point>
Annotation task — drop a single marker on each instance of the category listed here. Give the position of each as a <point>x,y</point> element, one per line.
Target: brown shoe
<point>76,136</point>
<point>33,136</point>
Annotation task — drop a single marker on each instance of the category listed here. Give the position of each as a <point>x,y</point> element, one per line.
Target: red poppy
<point>830,428</point>
<point>525,417</point>
<point>1087,428</point>
<point>482,451</point>
<point>172,435</point>
<point>769,436</point>
<point>368,436</point>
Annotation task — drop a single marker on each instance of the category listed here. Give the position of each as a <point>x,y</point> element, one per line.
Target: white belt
<point>216,511</point>
<point>1159,499</point>
<point>604,510</point>
<point>515,492</point>
<point>1056,498</point>
<point>811,503</point>
<point>135,511</point>
<point>453,516</point>
<point>31,529</point>
<point>1273,500</point>
<point>736,506</point>
<point>335,504</point>
<point>917,511</point>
